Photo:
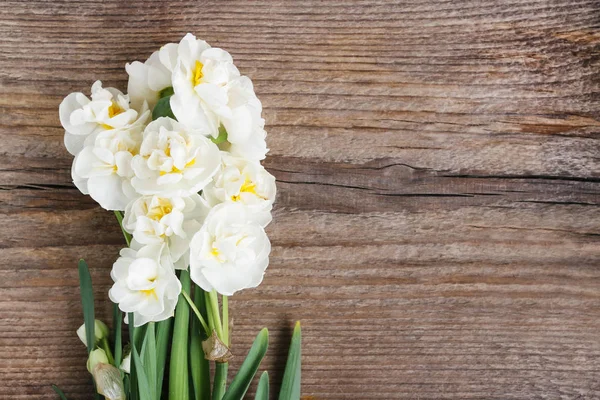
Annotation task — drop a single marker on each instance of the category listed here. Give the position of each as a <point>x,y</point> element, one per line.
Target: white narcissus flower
<point>173,161</point>
<point>245,111</point>
<point>156,220</point>
<point>80,116</point>
<point>245,182</point>
<point>199,84</point>
<point>147,79</point>
<point>145,284</point>
<point>255,148</point>
<point>103,168</point>
<point>231,250</point>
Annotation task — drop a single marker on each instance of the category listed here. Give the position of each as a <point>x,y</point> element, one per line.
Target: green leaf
<point>133,384</point>
<point>117,321</point>
<point>163,329</point>
<point>166,92</point>
<point>148,356</point>
<point>222,136</point>
<point>290,386</point>
<point>220,380</point>
<point>179,377</point>
<point>127,385</point>
<point>163,109</point>
<point>146,393</point>
<point>248,369</point>
<point>199,366</point>
<point>87,301</point>
<point>126,235</point>
<point>262,391</point>
<point>59,392</point>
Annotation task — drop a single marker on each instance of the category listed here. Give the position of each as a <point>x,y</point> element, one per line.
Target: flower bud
<point>100,331</point>
<point>96,357</point>
<point>108,382</point>
<point>126,364</point>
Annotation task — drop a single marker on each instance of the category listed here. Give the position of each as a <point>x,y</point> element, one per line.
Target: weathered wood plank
<point>437,224</point>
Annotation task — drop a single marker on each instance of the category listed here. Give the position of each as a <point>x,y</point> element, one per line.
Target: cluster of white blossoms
<point>180,155</point>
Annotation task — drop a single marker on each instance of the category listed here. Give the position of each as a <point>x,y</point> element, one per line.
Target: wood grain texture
<point>437,228</point>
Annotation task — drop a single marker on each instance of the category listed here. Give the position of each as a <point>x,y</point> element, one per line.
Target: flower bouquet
<point>178,161</point>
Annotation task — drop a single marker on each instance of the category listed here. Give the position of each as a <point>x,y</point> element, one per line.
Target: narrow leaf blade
<point>117,323</point>
<point>59,392</point>
<point>290,386</point>
<point>143,381</point>
<point>133,384</point>
<point>243,379</point>
<point>179,375</point>
<point>149,355</point>
<point>163,335</point>
<point>87,302</point>
<point>199,366</point>
<point>262,391</point>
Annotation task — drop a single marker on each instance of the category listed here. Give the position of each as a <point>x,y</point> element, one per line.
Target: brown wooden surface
<point>437,228</point>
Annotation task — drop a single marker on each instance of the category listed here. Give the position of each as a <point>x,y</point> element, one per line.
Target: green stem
<point>213,313</point>
<point>179,374</point>
<point>220,382</point>
<point>225,305</point>
<point>195,310</point>
<point>134,393</point>
<point>126,235</point>
<point>106,347</point>
<point>117,321</point>
<point>199,365</point>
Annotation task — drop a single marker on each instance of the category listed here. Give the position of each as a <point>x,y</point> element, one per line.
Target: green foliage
<point>59,392</point>
<point>163,336</point>
<point>133,382</point>
<point>243,379</point>
<point>220,381</point>
<point>87,301</point>
<point>290,386</point>
<point>262,391</point>
<point>222,136</point>
<point>163,109</point>
<point>117,321</point>
<point>126,235</point>
<point>199,366</point>
<point>179,374</point>
<point>166,92</point>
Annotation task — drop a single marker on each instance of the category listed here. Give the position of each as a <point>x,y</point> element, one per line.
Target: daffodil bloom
<point>245,182</point>
<point>108,109</point>
<point>200,81</point>
<point>147,79</point>
<point>145,284</point>
<point>173,221</point>
<point>103,168</point>
<point>231,250</point>
<point>173,160</point>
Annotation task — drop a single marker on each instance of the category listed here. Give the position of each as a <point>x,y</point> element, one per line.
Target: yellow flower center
<point>247,187</point>
<point>164,207</point>
<point>113,110</point>
<point>197,73</point>
<point>149,292</point>
<point>175,170</point>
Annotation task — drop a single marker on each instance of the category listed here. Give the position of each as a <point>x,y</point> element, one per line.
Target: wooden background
<point>437,228</point>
